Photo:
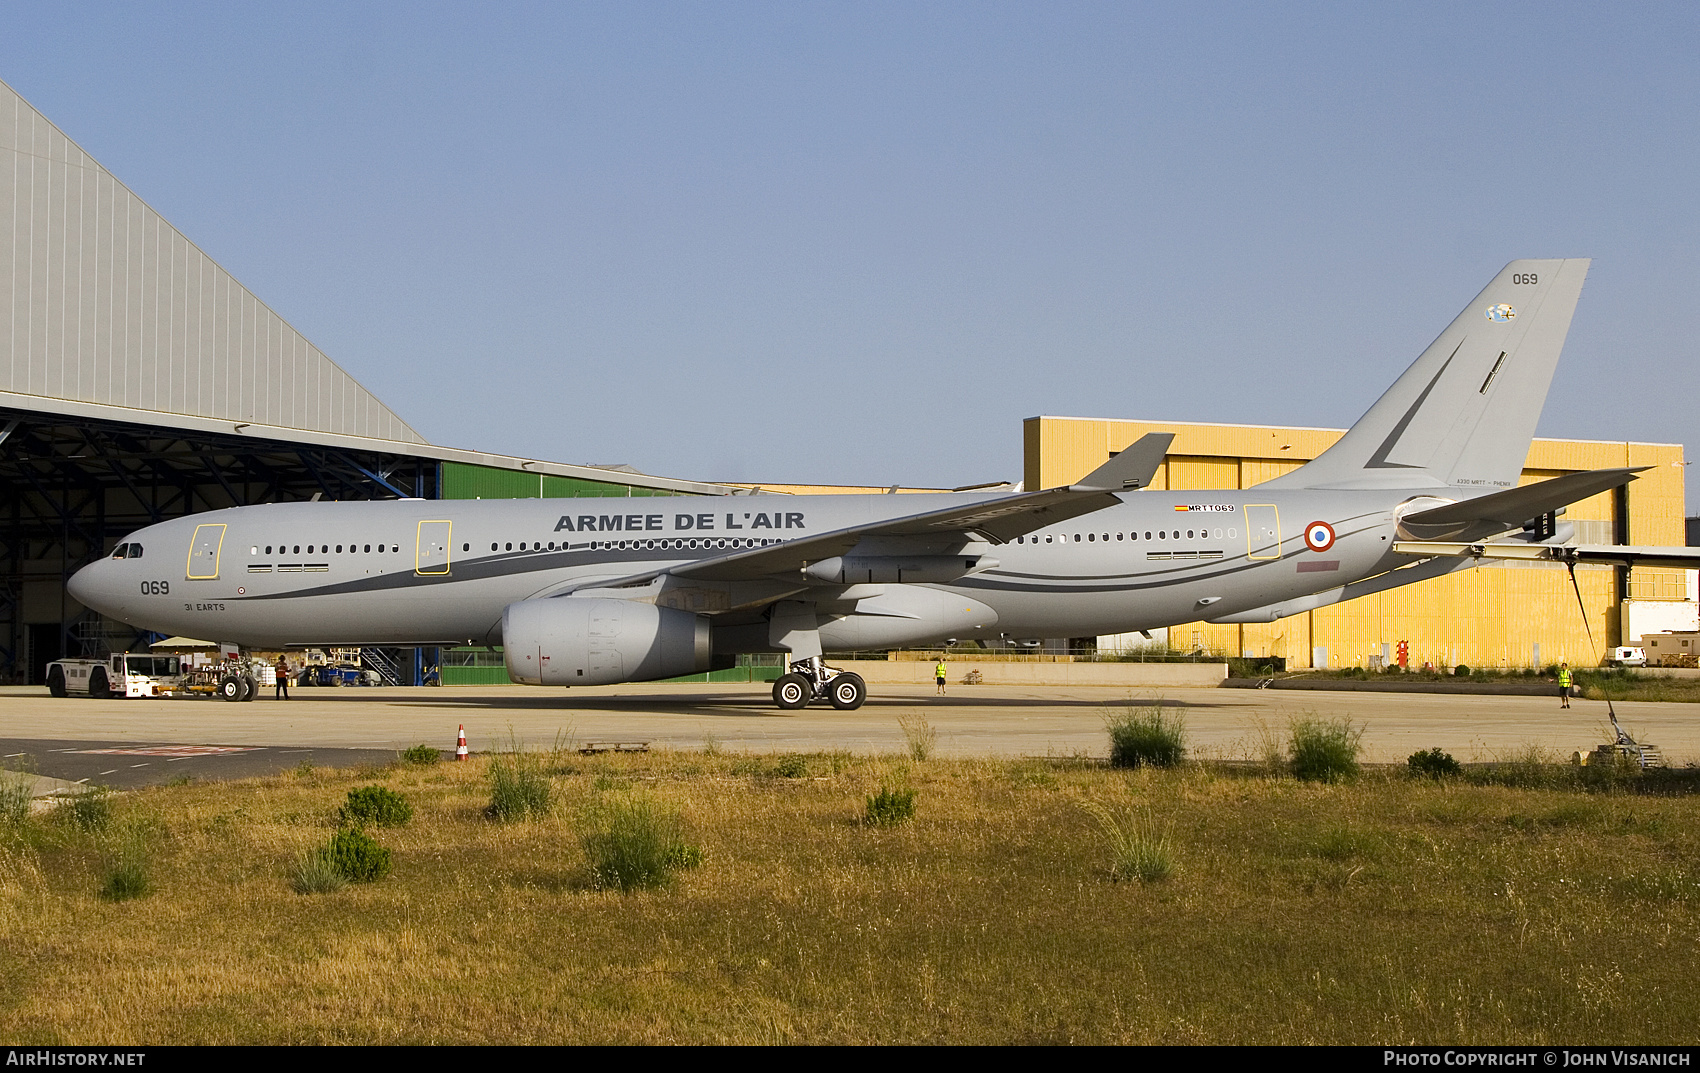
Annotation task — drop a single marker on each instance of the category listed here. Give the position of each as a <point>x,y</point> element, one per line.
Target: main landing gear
<point>811,680</point>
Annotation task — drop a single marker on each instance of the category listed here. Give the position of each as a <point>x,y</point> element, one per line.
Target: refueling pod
<point>896,569</point>
<point>573,641</point>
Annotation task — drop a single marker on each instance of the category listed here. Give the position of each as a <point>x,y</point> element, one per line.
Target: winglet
<point>1131,469</point>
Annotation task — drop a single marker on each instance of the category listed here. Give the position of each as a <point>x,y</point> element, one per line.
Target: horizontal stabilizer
<point>1131,469</point>
<point>1514,506</point>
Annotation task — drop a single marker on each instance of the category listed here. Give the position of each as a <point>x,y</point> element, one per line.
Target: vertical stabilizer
<point>1464,413</point>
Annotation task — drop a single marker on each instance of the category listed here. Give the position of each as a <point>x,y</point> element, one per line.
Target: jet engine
<point>588,642</point>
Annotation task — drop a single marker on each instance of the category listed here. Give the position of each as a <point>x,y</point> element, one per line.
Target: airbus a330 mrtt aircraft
<point>593,592</point>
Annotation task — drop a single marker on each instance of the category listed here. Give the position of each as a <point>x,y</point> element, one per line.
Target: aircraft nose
<point>85,585</point>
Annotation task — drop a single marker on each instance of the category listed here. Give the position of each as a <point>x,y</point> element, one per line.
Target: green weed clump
<point>422,755</point>
<point>1531,767</point>
<point>1146,735</point>
<point>124,872</point>
<point>90,810</point>
<point>126,878</point>
<point>316,873</point>
<point>519,787</point>
<point>889,807</point>
<point>357,857</point>
<point>1138,851</point>
<point>1435,763</point>
<point>1618,771</point>
<point>637,843</point>
<point>1324,750</point>
<point>920,735</point>
<point>17,790</point>
<point>1341,843</point>
<point>792,766</point>
<point>377,805</point>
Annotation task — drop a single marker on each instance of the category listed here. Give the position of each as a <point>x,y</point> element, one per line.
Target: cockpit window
<point>135,551</point>
<point>120,551</point>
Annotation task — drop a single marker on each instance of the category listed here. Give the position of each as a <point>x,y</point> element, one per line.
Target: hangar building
<point>1508,615</point>
<point>140,381</point>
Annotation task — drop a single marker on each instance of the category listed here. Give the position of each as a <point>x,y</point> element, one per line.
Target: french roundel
<point>1319,536</point>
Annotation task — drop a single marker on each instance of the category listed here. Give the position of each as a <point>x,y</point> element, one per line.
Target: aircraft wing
<point>1595,554</point>
<point>998,520</point>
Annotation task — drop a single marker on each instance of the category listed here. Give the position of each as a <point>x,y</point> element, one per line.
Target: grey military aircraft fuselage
<point>596,591</point>
<point>441,572</point>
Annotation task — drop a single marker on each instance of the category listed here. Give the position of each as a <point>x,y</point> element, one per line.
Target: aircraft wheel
<point>56,682</point>
<point>847,691</point>
<point>98,685</point>
<point>230,688</point>
<point>250,687</point>
<point>793,691</point>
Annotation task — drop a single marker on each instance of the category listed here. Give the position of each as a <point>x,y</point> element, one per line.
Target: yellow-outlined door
<point>1262,531</point>
<point>204,549</point>
<point>431,548</point>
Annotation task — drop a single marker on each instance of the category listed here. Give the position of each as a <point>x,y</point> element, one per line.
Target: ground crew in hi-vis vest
<point>938,673</point>
<point>1564,684</point>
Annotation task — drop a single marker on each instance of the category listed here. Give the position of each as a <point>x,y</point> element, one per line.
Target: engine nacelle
<point>591,642</point>
<point>896,569</point>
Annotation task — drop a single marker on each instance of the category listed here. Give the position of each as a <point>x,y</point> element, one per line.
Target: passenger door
<point>431,550</point>
<point>1262,531</point>
<point>204,548</point>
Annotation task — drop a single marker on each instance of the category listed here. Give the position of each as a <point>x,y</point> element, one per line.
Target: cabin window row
<point>324,549</point>
<point>676,544</point>
<point>1162,534</point>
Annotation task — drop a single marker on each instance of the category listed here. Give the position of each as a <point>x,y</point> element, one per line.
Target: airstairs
<point>377,660</point>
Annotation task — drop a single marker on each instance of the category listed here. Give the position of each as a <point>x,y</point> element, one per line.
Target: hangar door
<point>431,551</point>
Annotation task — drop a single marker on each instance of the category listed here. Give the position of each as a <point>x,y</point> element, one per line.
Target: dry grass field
<point>1386,910</point>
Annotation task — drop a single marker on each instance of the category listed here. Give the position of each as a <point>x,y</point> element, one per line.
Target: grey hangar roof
<point>140,380</point>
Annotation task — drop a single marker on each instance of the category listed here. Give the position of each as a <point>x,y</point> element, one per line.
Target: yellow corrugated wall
<point>1489,617</point>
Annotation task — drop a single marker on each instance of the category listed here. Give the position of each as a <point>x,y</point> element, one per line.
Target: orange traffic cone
<point>460,746</point>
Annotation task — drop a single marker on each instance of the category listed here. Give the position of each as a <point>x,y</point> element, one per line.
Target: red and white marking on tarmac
<point>179,751</point>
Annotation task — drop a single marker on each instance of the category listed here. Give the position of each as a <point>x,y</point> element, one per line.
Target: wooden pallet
<point>590,748</point>
<point>1650,756</point>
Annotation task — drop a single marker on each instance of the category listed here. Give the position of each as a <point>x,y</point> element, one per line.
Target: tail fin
<point>1464,413</point>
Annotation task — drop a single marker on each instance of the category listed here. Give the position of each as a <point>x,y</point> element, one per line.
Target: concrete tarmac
<point>970,721</point>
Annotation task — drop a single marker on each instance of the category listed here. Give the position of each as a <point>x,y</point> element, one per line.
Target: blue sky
<point>860,242</point>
